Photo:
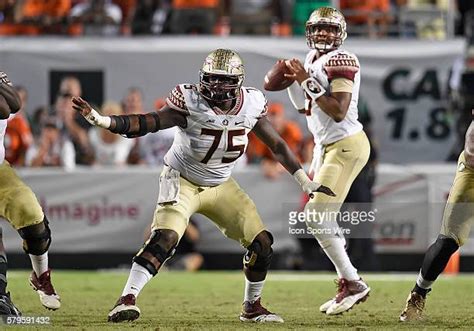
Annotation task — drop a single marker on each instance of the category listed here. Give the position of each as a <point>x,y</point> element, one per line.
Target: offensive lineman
<point>458,218</point>
<point>327,90</point>
<point>19,206</point>
<point>213,120</point>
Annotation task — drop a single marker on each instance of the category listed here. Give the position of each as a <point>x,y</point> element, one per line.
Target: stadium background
<point>405,85</point>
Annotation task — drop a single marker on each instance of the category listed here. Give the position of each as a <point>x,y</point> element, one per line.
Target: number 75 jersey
<point>205,151</point>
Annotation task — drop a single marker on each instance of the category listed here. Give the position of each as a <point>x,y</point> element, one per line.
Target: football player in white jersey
<point>20,208</point>
<point>213,120</point>
<point>326,89</point>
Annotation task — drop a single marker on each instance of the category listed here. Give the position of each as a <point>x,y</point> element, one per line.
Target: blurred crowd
<point>434,19</point>
<point>57,136</point>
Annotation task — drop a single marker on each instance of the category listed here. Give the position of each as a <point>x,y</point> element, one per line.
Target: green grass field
<point>211,300</point>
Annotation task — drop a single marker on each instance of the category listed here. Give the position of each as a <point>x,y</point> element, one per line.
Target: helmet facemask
<point>330,42</point>
<point>220,88</point>
<point>221,76</point>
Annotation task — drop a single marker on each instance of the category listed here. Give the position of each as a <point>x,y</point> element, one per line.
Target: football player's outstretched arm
<point>10,96</point>
<point>334,105</point>
<point>267,134</point>
<point>133,125</point>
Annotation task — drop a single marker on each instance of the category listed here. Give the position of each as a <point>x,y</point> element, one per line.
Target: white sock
<point>423,283</point>
<point>334,249</point>
<point>253,290</point>
<point>39,263</point>
<point>137,279</point>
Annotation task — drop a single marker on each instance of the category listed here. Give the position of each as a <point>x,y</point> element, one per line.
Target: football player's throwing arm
<point>335,105</point>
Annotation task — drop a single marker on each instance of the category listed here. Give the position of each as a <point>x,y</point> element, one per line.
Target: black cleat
<point>7,308</point>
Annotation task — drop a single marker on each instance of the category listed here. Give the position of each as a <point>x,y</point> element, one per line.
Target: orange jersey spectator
<point>51,8</point>
<point>195,3</point>
<point>17,139</point>
<point>40,16</point>
<point>193,16</point>
<point>289,131</point>
<point>373,14</point>
<point>359,10</point>
<point>127,6</point>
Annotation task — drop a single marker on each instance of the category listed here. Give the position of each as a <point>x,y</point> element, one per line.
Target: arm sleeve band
<point>146,123</point>
<point>342,85</point>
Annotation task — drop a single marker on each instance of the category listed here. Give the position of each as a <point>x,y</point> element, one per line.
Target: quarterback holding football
<point>213,120</point>
<point>326,89</point>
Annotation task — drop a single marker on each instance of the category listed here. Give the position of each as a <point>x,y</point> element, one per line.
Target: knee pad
<point>159,248</point>
<point>36,238</point>
<point>447,244</point>
<point>259,254</point>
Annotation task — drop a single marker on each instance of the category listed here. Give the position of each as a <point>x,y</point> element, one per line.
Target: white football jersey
<point>335,64</point>
<point>3,128</point>
<point>3,123</point>
<point>206,150</point>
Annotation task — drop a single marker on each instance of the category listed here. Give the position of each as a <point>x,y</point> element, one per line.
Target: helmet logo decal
<point>326,12</point>
<point>222,58</point>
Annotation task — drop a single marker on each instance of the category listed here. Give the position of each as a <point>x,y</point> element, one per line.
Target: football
<point>275,79</point>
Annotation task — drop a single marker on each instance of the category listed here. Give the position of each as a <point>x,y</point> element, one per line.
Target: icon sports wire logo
<point>357,223</point>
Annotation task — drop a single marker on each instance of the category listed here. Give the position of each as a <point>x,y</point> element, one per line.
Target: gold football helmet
<point>221,75</point>
<point>330,18</point>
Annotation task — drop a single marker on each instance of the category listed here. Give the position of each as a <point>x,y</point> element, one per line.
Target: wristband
<point>96,119</point>
<point>312,88</point>
<point>301,177</point>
